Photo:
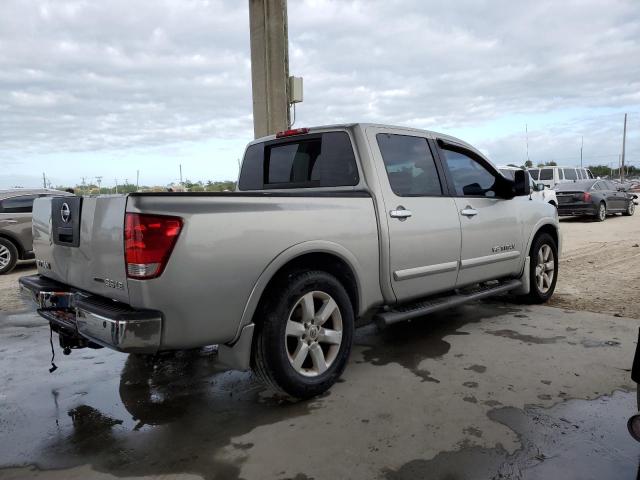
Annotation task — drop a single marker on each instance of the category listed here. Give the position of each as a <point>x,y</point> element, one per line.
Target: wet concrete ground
<point>489,390</point>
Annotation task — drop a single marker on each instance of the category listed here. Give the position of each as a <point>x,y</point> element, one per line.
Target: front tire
<point>631,208</point>
<point>303,343</point>
<point>543,269</point>
<point>601,213</point>
<point>8,256</point>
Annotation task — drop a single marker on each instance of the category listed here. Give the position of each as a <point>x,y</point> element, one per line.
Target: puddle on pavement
<point>131,415</point>
<point>585,439</point>
<point>409,343</point>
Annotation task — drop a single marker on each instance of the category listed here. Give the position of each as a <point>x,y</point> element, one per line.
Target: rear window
<point>546,174</point>
<point>410,166</point>
<point>325,160</point>
<point>570,174</point>
<point>534,172</point>
<point>22,204</point>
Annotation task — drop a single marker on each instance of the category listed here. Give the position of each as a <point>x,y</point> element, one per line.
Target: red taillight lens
<point>291,133</point>
<point>148,241</point>
<point>586,197</point>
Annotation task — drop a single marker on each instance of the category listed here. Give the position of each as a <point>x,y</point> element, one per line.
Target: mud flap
<point>525,279</point>
<point>238,355</point>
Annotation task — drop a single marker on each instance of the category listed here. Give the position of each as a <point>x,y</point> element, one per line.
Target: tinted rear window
<point>410,166</point>
<point>325,160</point>
<point>570,173</point>
<point>546,174</point>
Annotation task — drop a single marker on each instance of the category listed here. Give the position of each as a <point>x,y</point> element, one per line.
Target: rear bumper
<point>573,209</point>
<point>96,319</point>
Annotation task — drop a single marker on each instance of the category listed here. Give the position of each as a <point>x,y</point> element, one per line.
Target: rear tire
<point>303,343</point>
<point>543,269</point>
<point>601,213</point>
<point>631,207</point>
<point>8,256</point>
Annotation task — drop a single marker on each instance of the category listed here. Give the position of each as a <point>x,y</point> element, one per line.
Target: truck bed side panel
<point>228,241</point>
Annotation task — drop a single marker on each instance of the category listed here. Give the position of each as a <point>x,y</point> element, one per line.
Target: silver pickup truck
<point>330,227</point>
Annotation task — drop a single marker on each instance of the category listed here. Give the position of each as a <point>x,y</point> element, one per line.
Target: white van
<point>552,175</point>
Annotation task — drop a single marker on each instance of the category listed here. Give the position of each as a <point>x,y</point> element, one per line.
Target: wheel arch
<point>315,255</point>
<point>545,226</point>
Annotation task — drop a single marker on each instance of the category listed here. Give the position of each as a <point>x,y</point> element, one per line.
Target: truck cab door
<point>422,223</point>
<point>492,238</point>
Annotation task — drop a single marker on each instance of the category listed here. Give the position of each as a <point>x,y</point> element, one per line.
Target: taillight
<point>291,133</point>
<point>148,241</point>
<point>586,197</point>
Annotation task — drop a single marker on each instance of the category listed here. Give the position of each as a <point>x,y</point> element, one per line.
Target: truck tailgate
<point>79,241</point>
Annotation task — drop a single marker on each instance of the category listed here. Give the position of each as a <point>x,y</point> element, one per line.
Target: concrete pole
<point>269,66</point>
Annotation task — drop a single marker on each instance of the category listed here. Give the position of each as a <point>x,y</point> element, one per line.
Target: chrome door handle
<point>400,213</point>
<point>468,211</point>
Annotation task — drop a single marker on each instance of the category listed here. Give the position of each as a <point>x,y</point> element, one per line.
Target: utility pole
<point>269,66</point>
<point>99,182</point>
<point>624,143</point>
<point>116,180</point>
<point>581,145</point>
<point>137,180</point>
<point>44,180</point>
<point>181,175</point>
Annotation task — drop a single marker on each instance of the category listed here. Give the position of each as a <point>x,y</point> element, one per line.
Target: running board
<point>414,310</point>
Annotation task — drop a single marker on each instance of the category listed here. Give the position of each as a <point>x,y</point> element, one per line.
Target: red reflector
<point>148,241</point>
<point>291,133</point>
<point>587,197</point>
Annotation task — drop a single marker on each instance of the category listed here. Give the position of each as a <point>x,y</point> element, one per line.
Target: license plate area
<point>65,220</point>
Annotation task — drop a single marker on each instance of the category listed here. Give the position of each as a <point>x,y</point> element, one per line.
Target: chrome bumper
<point>98,320</point>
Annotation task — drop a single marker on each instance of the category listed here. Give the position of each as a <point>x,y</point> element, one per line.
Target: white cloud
<point>98,76</point>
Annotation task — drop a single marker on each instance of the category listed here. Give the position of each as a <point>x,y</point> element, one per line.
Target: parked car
<point>597,198</point>
<point>15,225</point>
<point>538,190</point>
<point>553,175</point>
<point>329,226</point>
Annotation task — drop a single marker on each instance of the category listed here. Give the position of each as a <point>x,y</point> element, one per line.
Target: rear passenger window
<point>410,166</point>
<point>534,173</point>
<point>546,174</point>
<point>22,204</point>
<point>325,160</point>
<point>570,173</point>
<point>470,177</point>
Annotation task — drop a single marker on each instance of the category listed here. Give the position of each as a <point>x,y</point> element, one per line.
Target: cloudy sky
<point>90,88</point>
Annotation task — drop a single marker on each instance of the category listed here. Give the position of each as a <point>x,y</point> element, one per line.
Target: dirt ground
<point>600,266</point>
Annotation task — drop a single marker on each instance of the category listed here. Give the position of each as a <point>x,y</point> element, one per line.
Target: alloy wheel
<point>5,256</point>
<point>314,333</point>
<point>545,269</point>
<point>602,213</point>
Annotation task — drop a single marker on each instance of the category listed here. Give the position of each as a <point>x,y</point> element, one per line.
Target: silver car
<point>16,240</point>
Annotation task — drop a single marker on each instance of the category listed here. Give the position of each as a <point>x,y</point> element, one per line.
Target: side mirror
<point>540,187</point>
<point>521,183</point>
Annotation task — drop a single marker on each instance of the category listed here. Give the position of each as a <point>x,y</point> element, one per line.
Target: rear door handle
<point>400,213</point>
<point>469,211</point>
